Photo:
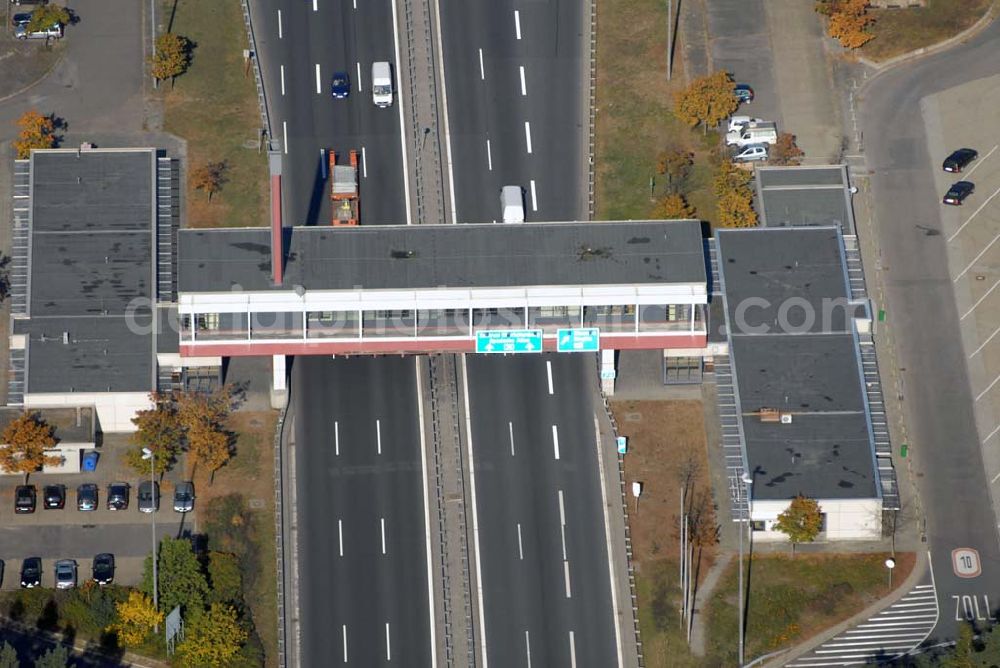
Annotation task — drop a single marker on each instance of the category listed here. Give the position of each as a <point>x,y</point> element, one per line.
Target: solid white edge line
<point>555,444</point>
<point>388,645</point>
<point>524,89</point>
<point>489,155</point>
<point>402,127</point>
<point>527,647</point>
<point>281,34</point>
<point>572,650</point>
<point>360,87</point>
<point>340,535</point>
<point>315,6</point>
<point>475,513</point>
<point>364,163</point>
<point>382,522</point>
<point>344,633</point>
<point>319,81</point>
<point>548,369</point>
<point>510,431</point>
<point>427,513</point>
<point>534,196</point>
<point>336,438</point>
<point>607,543</point>
<point>378,434</point>
<point>482,68</point>
<point>517,23</point>
<point>527,135</point>
<point>444,105</point>
<point>282,79</point>
<point>284,134</point>
<point>520,545</point>
<point>569,592</point>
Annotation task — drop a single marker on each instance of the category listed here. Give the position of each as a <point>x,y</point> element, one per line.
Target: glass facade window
<point>498,318</point>
<point>276,325</point>
<point>332,324</point>
<point>610,318</point>
<point>551,318</point>
<point>388,324</point>
<point>443,322</point>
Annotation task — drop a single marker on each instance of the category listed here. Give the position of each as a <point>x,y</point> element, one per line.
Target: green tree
<point>37,131</point>
<point>172,58</point>
<point>213,638</point>
<point>158,429</point>
<point>225,578</point>
<point>136,619</point>
<point>46,16</point>
<point>23,444</point>
<point>181,580</point>
<point>707,100</point>
<point>57,657</point>
<point>801,521</point>
<point>8,656</point>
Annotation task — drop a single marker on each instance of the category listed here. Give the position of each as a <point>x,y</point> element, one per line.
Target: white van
<point>737,122</point>
<point>753,133</point>
<point>381,84</point>
<point>512,204</point>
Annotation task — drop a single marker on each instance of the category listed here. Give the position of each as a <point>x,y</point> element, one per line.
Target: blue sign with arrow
<point>509,341</point>
<point>580,340</point>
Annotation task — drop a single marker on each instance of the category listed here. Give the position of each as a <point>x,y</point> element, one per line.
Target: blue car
<point>743,93</point>
<point>340,86</point>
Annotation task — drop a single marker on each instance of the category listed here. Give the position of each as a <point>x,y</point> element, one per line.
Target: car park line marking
<point>382,521</point>
<point>572,650</point>
<point>534,202</point>
<point>984,343</point>
<point>981,161</point>
<point>527,648</point>
<point>569,592</point>
<point>280,33</point>
<point>378,435</point>
<point>510,431</point>
<point>988,388</point>
<point>527,135</point>
<point>388,646</point>
<point>980,300</point>
<point>524,89</point>
<point>974,213</point>
<point>282,79</point>
<point>284,133</point>
<point>520,546</point>
<point>555,441</point>
<point>995,478</point>
<point>992,434</point>
<point>319,83</point>
<point>977,258</point>
<point>344,633</point>
<point>548,371</point>
<point>336,438</point>
<point>482,69</point>
<point>360,88</point>
<point>364,163</point>
<point>517,23</point>
<point>340,535</point>
<point>427,514</point>
<point>489,155</point>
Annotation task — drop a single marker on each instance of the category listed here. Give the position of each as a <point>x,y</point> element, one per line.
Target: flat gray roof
<point>812,373</point>
<point>70,424</point>
<point>428,256</point>
<point>805,196</point>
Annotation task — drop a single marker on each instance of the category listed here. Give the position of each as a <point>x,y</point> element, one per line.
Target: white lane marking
<point>282,79</point>
<point>336,438</point>
<point>524,89</point>
<point>281,35</point>
<point>344,633</point>
<point>402,128</point>
<point>974,213</point>
<point>992,434</point>
<point>979,162</point>
<point>388,646</point>
<point>995,478</point>
<point>382,522</point>
<point>548,371</point>
<point>983,345</point>
<point>315,6</point>
<point>364,163</point>
<point>607,543</point>
<point>981,253</point>
<point>555,441</point>
<point>510,432</point>
<point>534,196</point>
<point>520,546</point>
<point>489,155</point>
<point>475,512</point>
<point>284,133</point>
<point>360,88</point>
<point>444,104</point>
<point>988,388</point>
<point>378,435</point>
<point>980,300</point>
<point>323,163</point>
<point>340,535</point>
<point>562,510</point>
<point>482,69</point>
<point>517,23</point>
<point>527,647</point>
<point>427,513</point>
<point>569,593</point>
<point>572,650</point>
<point>527,134</point>
<point>562,535</point>
<point>355,4</point>
<point>319,82</point>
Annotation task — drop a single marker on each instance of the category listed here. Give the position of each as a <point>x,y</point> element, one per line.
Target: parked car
<point>737,122</point>
<point>340,85</point>
<point>118,496</point>
<point>24,499</point>
<point>104,568</point>
<point>86,496</point>
<point>958,192</point>
<point>21,18</point>
<point>54,497</point>
<point>959,159</point>
<point>751,153</point>
<point>31,572</point>
<point>149,496</point>
<point>184,497</point>
<point>743,93</point>
<point>52,32</point>
<point>65,574</point>
<point>29,2</point>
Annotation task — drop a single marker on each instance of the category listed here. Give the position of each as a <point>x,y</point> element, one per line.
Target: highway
<point>363,579</point>
<point>301,43</point>
<point>543,561</point>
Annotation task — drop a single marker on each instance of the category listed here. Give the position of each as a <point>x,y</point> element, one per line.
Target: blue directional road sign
<point>581,340</point>
<point>509,341</point>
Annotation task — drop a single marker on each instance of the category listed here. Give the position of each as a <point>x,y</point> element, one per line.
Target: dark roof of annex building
<point>813,374</point>
<point>805,196</point>
<point>431,256</point>
<point>90,258</point>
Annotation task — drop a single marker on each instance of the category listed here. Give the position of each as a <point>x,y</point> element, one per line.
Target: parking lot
<point>69,533</point>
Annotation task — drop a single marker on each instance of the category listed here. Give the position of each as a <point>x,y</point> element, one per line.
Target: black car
<point>86,496</point>
<point>21,18</point>
<point>340,85</point>
<point>31,572</point>
<point>104,568</point>
<point>958,192</point>
<point>959,160</point>
<point>54,497</point>
<point>118,496</point>
<point>743,93</point>
<point>24,499</point>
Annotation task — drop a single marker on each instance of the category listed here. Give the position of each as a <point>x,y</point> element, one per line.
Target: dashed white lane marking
<point>284,134</point>
<point>489,155</point>
<point>555,443</point>
<point>336,438</point>
<point>527,134</point>
<point>364,162</point>
<point>510,432</point>
<point>340,535</point>
<point>344,634</point>
<point>569,593</point>
<point>383,534</point>
<point>360,86</point>
<point>524,88</point>
<point>520,545</point>
<point>517,23</point>
<point>572,650</point>
<point>482,68</point>
<point>315,6</point>
<point>548,371</point>
<point>534,196</point>
<point>378,435</point>
<point>319,81</point>
<point>281,35</point>
<point>388,645</point>
<point>527,647</point>
<point>282,79</point>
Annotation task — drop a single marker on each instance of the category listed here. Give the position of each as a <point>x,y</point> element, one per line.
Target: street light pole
<point>747,483</point>
<point>151,456</point>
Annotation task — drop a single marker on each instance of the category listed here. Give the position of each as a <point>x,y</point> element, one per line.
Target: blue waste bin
<point>90,461</point>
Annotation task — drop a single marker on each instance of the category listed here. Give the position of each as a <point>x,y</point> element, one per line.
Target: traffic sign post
<point>509,341</point>
<point>579,340</point>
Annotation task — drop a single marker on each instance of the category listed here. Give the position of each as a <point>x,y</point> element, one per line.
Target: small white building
<point>73,427</point>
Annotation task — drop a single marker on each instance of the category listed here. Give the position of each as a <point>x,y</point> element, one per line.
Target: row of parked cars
<point>954,163</point>
<point>65,571</point>
<point>54,497</point>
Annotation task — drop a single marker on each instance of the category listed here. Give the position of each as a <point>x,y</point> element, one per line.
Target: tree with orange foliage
<point>24,442</point>
<point>785,151</point>
<point>37,131</point>
<point>673,207</point>
<point>209,177</point>
<point>736,209</point>
<point>707,100</point>
<point>848,23</point>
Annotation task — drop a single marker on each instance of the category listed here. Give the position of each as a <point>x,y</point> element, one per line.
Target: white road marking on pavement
<point>475,512</point>
<point>527,648</point>
<point>444,104</point>
<point>355,4</point>
<point>344,628</point>
<point>280,34</point>
<point>534,196</point>
<point>555,441</point>
<point>569,593</point>
<point>489,155</point>
<point>992,434</point>
<point>282,79</point>
<point>520,546</point>
<point>482,69</point>
<point>319,83</point>
<point>988,388</point>
<point>527,134</point>
<point>548,372</point>
<point>340,536</point>
<point>979,162</point>
<point>510,431</point>
<point>995,478</point>
<point>284,133</point>
<point>980,300</point>
<point>382,522</point>
<point>402,128</point>
<point>607,542</point>
<point>981,254</point>
<point>517,23</point>
<point>388,646</point>
<point>562,535</point>
<point>360,87</point>
<point>315,6</point>
<point>427,513</point>
<point>974,213</point>
<point>562,510</point>
<point>364,163</point>
<point>378,435</point>
<point>572,650</point>
<point>524,89</point>
<point>323,163</point>
<point>336,438</point>
<point>984,343</point>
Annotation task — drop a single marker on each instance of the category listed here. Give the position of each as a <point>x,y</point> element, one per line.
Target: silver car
<point>65,574</point>
<point>149,496</point>
<point>184,497</point>
<point>52,32</point>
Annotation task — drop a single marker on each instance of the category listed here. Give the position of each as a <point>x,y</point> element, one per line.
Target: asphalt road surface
<point>514,74</point>
<point>301,44</point>
<point>363,569</point>
<point>545,573</point>
<point>938,399</point>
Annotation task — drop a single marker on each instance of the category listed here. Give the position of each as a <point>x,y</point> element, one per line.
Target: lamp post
<point>151,456</point>
<point>747,480</point>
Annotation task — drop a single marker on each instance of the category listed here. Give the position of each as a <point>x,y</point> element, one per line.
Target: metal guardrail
<point>258,77</point>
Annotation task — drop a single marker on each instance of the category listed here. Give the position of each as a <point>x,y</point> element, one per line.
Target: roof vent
<point>402,254</point>
<point>786,418</point>
<point>65,338</point>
